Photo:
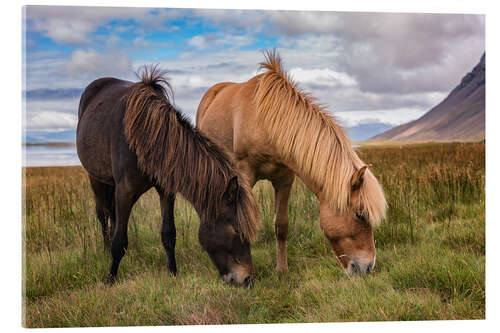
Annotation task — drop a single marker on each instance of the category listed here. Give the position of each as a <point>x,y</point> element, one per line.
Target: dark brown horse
<point>129,139</point>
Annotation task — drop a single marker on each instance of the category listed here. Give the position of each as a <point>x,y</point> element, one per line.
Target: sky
<point>372,70</point>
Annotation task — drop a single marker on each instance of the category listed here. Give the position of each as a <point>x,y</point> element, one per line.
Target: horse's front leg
<point>168,233</point>
<point>282,187</point>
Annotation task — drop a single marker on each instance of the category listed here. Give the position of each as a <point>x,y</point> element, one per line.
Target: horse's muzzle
<point>247,282</point>
<point>359,267</point>
<point>239,275</point>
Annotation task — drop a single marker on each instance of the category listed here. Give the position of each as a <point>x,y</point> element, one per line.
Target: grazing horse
<point>276,131</point>
<point>129,139</point>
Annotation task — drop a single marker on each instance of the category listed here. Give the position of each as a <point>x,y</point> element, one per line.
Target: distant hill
<point>49,144</point>
<point>460,116</point>
<point>44,136</point>
<point>363,132</point>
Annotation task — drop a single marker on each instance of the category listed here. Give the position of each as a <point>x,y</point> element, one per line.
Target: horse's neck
<point>307,180</point>
<point>314,185</point>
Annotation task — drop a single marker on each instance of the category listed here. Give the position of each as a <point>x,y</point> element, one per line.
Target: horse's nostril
<point>369,268</point>
<point>356,268</point>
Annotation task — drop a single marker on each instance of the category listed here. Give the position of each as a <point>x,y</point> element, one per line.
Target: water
<point>49,156</point>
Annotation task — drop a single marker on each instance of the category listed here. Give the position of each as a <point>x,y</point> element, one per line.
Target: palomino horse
<point>275,131</point>
<point>130,139</point>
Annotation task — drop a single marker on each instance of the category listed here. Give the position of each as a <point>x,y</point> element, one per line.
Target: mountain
<point>363,132</point>
<point>460,116</point>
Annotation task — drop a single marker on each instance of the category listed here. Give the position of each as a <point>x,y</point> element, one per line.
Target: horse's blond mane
<point>305,133</point>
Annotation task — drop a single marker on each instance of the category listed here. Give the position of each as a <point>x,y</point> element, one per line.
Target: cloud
<point>404,40</point>
<point>141,42</point>
<point>373,66</point>
<point>202,42</point>
<point>310,22</point>
<point>58,70</point>
<point>387,117</point>
<point>64,105</point>
<point>409,40</point>
<point>233,19</point>
<point>342,98</point>
<point>74,25</point>
<point>71,32</point>
<point>384,52</point>
<point>90,62</point>
<point>324,76</point>
<point>51,121</point>
<point>192,75</point>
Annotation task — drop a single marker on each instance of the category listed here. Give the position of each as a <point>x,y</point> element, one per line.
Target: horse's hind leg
<point>282,187</point>
<point>168,233</point>
<point>104,206</point>
<point>127,192</point>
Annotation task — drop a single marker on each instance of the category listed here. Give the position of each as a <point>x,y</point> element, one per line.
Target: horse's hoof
<point>282,269</point>
<point>110,280</point>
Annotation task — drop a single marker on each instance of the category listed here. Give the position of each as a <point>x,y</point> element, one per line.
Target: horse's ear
<point>358,177</point>
<point>231,193</point>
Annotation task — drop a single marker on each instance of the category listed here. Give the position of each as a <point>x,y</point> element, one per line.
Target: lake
<point>49,156</point>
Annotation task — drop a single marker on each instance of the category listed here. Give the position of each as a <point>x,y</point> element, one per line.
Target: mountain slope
<point>363,132</point>
<point>460,116</point>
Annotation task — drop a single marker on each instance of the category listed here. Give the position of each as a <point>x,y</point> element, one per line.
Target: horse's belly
<point>270,170</point>
<point>99,168</point>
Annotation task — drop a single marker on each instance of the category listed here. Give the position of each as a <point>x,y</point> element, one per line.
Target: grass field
<point>430,253</point>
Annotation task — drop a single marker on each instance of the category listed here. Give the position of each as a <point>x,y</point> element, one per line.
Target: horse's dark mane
<point>178,157</point>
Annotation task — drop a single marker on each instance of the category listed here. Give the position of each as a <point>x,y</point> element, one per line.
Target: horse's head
<point>351,233</point>
<point>228,249</point>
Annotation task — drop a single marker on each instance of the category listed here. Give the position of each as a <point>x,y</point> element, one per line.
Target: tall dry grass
<point>430,253</point>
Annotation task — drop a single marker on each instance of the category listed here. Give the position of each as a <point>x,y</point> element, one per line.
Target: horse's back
<point>208,98</point>
<point>99,132</point>
<point>227,114</point>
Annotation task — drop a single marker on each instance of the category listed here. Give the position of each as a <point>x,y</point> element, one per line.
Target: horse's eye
<point>360,216</point>
<point>239,233</point>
